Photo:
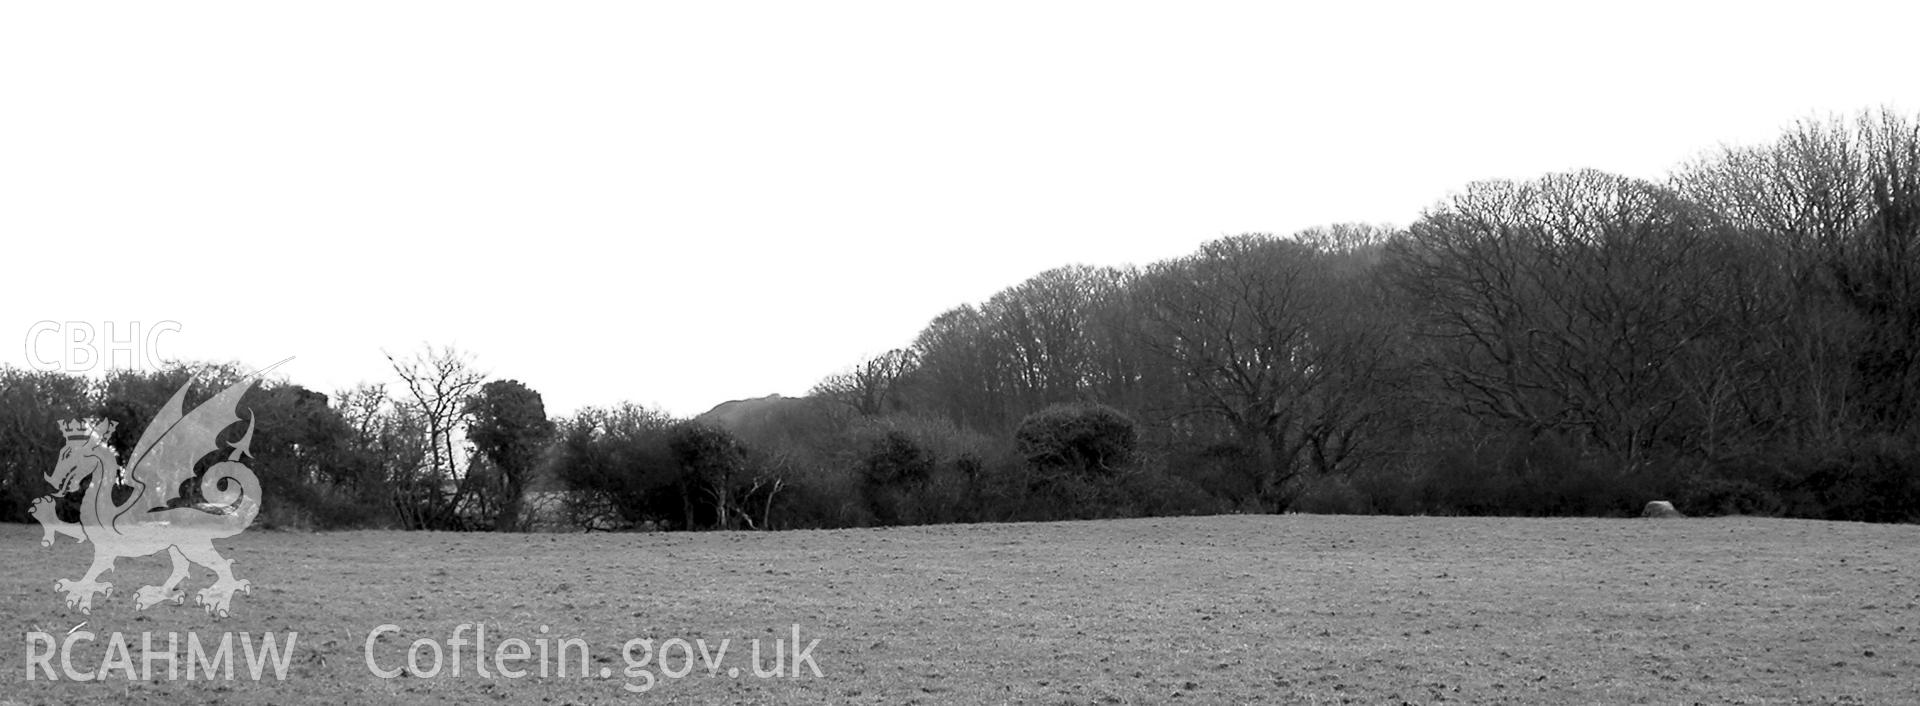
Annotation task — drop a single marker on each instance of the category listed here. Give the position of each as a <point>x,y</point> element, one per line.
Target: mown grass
<point>1241,609</point>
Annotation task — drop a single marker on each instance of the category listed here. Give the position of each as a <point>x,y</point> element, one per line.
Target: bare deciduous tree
<point>438,383</point>
<point>870,388</point>
<point>1833,208</point>
<point>1268,340</point>
<point>1571,303</point>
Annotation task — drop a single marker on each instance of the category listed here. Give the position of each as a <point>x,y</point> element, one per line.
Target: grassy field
<point>1242,609</point>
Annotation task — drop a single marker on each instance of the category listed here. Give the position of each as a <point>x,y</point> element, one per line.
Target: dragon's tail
<point>230,489</point>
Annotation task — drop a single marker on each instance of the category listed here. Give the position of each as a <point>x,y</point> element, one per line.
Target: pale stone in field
<point>1660,508</point>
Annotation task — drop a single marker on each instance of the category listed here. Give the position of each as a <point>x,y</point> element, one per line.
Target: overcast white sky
<point>681,204</point>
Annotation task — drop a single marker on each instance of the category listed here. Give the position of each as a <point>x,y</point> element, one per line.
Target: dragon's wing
<point>173,441</point>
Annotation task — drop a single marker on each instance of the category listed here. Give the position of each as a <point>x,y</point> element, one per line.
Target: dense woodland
<point>1739,338</point>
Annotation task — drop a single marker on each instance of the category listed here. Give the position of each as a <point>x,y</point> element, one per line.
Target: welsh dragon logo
<point>160,513</point>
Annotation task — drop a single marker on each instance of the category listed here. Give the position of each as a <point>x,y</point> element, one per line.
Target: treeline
<point>442,449</point>
<point>1741,338</point>
<point>1738,338</point>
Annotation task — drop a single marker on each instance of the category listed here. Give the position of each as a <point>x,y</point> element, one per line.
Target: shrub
<point>711,462</point>
<point>302,506</point>
<point>620,464</point>
<point>1710,494</point>
<point>1520,473</point>
<point>1875,482</point>
<point>1086,440</point>
<point>895,459</point>
<point>1328,495</point>
<point>1156,493</point>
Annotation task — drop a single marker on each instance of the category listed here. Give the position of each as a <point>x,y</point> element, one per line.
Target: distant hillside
<point>772,419</point>
<point>736,414</point>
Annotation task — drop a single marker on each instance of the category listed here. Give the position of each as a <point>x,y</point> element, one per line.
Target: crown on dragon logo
<point>91,427</point>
